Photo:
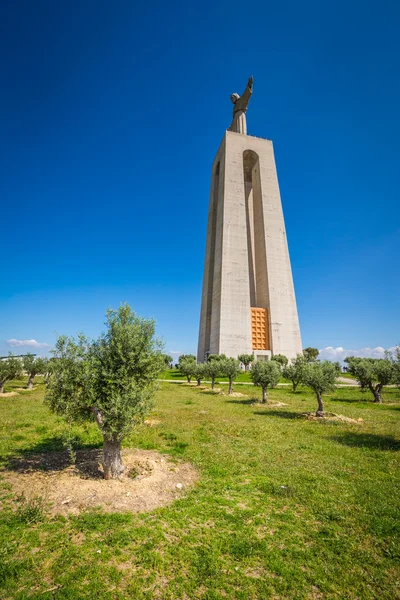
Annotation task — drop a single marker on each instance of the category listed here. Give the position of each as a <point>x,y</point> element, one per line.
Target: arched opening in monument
<point>211,264</point>
<point>256,250</point>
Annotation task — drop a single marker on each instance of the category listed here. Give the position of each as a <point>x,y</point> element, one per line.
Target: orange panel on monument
<point>259,328</point>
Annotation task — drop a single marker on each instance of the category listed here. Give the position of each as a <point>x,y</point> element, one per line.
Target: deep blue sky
<point>110,116</point>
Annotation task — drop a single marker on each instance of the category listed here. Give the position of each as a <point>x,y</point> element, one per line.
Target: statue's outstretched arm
<point>245,97</point>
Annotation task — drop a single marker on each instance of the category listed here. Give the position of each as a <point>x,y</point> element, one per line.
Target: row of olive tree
<point>13,367</point>
<point>218,365</point>
<point>319,376</point>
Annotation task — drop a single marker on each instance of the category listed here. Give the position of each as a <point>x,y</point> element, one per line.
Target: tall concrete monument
<point>248,301</point>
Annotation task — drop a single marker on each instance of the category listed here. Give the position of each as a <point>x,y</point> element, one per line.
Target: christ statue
<point>240,104</point>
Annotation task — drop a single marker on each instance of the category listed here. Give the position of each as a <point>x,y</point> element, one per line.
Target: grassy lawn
<point>285,508</point>
<point>174,374</point>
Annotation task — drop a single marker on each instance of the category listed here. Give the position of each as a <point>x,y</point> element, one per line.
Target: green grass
<point>174,374</point>
<point>284,508</point>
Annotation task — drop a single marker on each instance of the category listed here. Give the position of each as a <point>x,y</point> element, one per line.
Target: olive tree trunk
<point>230,391</point>
<point>198,381</point>
<point>112,460</point>
<point>377,392</point>
<point>264,395</point>
<point>320,412</point>
<point>1,388</point>
<point>212,383</point>
<point>30,382</point>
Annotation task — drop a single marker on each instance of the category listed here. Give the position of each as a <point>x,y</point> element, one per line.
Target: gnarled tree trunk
<point>230,391</point>
<point>377,392</point>
<point>198,381</point>
<point>320,412</point>
<point>264,395</point>
<point>30,382</point>
<point>112,460</point>
<point>212,383</point>
<point>1,388</point>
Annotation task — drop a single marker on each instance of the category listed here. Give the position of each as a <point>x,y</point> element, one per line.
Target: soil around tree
<point>151,480</point>
<point>311,416</point>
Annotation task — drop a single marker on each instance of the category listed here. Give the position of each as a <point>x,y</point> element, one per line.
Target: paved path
<point>347,380</point>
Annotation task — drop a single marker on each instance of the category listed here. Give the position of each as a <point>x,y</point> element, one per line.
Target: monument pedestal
<point>248,301</point>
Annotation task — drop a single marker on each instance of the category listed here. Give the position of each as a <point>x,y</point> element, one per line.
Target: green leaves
<point>10,368</point>
<point>265,373</point>
<point>113,377</point>
<point>321,376</point>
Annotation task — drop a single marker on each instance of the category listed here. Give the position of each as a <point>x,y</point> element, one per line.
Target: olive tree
<point>396,366</point>
<point>265,373</point>
<point>213,370</point>
<point>281,359</point>
<point>372,374</point>
<point>310,354</point>
<point>246,360</point>
<point>219,357</point>
<point>10,368</point>
<point>111,380</point>
<point>186,356</point>
<point>321,378</point>
<point>167,360</point>
<point>230,368</point>
<point>187,367</point>
<point>295,371</point>
<point>33,366</point>
<point>199,372</point>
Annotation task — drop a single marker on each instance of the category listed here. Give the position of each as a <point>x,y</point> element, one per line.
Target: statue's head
<point>234,98</point>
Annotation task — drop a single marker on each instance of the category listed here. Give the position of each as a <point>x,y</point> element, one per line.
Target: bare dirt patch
<point>331,417</point>
<point>8,394</point>
<point>152,422</point>
<point>151,480</point>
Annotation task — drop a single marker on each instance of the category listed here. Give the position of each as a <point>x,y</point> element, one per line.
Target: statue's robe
<point>239,124</point>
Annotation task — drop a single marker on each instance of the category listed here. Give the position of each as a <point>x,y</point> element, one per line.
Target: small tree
<point>111,379</point>
<point>33,366</point>
<point>187,367</point>
<point>199,372</point>
<point>230,368</point>
<point>10,368</point>
<point>281,359</point>
<point>295,371</point>
<point>321,378</point>
<point>372,374</point>
<point>246,360</point>
<point>219,357</point>
<point>186,356</point>
<point>395,360</point>
<point>167,360</point>
<point>265,373</point>
<point>310,354</point>
<point>213,370</point>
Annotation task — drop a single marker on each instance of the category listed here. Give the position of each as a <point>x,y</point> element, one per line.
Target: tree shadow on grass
<point>244,401</point>
<point>49,455</point>
<point>282,414</point>
<point>360,400</point>
<point>367,440</point>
